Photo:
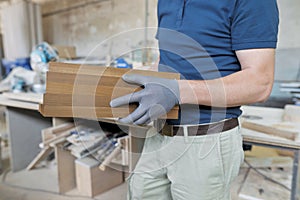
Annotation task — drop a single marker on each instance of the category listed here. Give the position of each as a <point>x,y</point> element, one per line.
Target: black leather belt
<point>199,130</point>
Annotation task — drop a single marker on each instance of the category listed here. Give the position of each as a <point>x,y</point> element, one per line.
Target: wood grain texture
<point>77,100</point>
<point>85,91</point>
<point>66,88</point>
<point>89,80</point>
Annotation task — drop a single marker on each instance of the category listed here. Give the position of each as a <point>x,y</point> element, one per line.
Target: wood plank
<point>107,71</point>
<point>40,157</point>
<point>47,135</point>
<point>89,80</point>
<point>18,104</point>
<point>104,83</point>
<point>66,88</point>
<point>254,137</point>
<point>109,158</point>
<point>291,135</point>
<point>93,112</point>
<point>76,100</point>
<point>57,133</point>
<point>28,97</point>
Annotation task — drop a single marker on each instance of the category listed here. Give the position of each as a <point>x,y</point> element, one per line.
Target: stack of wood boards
<point>282,123</point>
<point>83,91</point>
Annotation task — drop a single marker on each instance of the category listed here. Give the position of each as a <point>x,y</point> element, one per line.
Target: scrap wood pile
<point>287,127</point>
<point>84,140</point>
<point>84,91</point>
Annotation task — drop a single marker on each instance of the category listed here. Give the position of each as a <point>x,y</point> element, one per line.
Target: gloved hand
<point>156,99</point>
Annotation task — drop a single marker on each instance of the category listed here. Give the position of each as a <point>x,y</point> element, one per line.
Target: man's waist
<point>196,130</point>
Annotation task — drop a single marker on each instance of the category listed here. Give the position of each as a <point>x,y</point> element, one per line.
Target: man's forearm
<point>244,87</point>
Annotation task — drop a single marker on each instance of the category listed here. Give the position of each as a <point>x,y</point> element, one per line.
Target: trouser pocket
<point>232,155</point>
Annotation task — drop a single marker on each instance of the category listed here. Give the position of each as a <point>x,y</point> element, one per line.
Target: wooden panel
<point>65,169</point>
<point>85,91</point>
<point>91,181</point>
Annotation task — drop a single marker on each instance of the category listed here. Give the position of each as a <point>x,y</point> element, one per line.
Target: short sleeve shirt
<point>199,38</point>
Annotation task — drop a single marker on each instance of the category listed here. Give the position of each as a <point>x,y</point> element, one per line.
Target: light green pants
<point>187,168</point>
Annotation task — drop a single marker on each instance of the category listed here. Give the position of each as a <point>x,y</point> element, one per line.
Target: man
<point>224,51</point>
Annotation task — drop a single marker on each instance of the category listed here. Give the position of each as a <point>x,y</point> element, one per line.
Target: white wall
<point>289,36</point>
<point>287,66</point>
<point>90,24</point>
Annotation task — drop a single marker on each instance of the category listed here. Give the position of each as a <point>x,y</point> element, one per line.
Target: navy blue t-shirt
<point>198,39</point>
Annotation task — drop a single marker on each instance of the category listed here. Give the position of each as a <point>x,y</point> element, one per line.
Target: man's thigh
<point>141,187</point>
<point>149,181</point>
<point>207,167</point>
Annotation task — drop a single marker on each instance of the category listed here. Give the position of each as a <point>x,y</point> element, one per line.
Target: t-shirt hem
<point>254,45</point>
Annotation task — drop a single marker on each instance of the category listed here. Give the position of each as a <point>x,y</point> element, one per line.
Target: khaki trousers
<point>187,168</point>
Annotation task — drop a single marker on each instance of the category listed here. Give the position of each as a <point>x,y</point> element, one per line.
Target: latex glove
<point>157,98</point>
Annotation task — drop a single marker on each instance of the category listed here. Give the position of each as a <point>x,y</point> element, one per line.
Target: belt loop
<point>186,133</point>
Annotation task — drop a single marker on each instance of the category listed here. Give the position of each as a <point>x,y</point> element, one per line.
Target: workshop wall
<point>88,23</point>
<point>288,52</point>
<point>289,36</point>
<point>287,66</point>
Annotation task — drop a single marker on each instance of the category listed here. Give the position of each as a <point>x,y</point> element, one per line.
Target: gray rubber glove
<point>157,98</point>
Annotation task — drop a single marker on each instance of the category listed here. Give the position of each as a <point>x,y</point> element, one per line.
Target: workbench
<point>251,137</point>
<point>24,125</point>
